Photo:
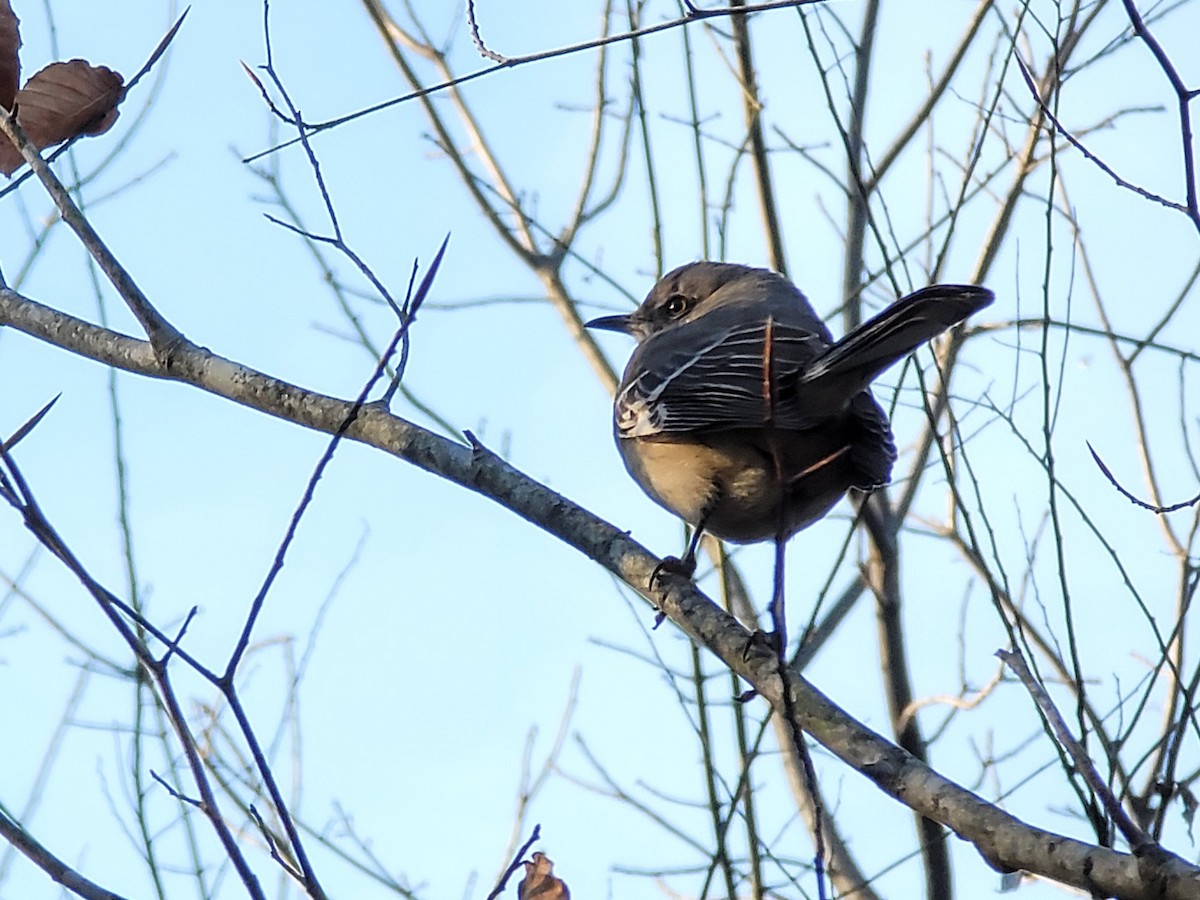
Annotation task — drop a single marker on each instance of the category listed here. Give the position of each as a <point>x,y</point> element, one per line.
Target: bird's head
<point>694,290</point>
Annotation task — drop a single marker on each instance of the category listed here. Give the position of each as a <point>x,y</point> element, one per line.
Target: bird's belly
<point>733,485</point>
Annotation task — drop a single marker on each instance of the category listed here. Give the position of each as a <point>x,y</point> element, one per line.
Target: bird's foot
<point>763,640</point>
<point>670,567</point>
<point>673,565</point>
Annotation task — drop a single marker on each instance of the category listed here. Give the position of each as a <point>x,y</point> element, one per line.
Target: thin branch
<point>934,96</point>
<point>1099,163</point>
<point>694,14</point>
<point>518,859</point>
<point>41,857</point>
<point>752,109</point>
<point>1183,96</point>
<point>15,490</point>
<point>1161,510</point>
<point>1137,838</point>
<point>162,334</point>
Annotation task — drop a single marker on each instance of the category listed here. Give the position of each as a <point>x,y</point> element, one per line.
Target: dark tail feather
<point>854,361</point>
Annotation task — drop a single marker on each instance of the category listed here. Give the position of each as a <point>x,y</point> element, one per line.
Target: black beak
<point>611,323</point>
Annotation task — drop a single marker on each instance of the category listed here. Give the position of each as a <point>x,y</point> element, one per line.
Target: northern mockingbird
<point>740,414</point>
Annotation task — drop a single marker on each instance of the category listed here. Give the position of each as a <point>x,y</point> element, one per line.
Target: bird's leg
<point>778,620</point>
<point>778,638</point>
<point>689,556</point>
<point>673,565</point>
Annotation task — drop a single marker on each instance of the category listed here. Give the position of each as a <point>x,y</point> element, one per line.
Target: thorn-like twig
<point>20,433</point>
<point>158,51</point>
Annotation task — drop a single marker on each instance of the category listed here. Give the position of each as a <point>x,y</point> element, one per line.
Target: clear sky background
<point>439,631</point>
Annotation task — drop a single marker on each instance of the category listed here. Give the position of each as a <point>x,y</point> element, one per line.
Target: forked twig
<point>1130,830</point>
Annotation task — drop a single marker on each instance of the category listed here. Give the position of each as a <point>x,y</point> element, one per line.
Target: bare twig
<point>163,336</point>
<point>518,859</point>
<point>6,446</point>
<point>477,39</point>
<point>1183,96</point>
<point>752,109</point>
<point>16,491</point>
<point>1088,154</point>
<point>158,51</point>
<point>1161,510</point>
<point>41,857</point>
<point>511,62</point>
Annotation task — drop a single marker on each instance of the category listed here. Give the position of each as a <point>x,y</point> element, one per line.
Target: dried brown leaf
<point>539,882</point>
<point>63,100</point>
<point>69,98</point>
<point>10,64</point>
<point>10,156</point>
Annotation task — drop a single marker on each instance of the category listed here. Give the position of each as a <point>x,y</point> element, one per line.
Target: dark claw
<point>673,565</point>
<point>767,640</point>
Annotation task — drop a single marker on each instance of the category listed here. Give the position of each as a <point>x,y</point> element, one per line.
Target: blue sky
<point>449,629</point>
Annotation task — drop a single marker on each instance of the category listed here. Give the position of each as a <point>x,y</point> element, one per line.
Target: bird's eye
<point>676,305</point>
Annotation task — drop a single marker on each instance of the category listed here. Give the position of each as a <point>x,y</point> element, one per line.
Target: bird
<point>739,412</point>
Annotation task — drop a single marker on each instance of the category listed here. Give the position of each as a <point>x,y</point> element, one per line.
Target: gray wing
<point>872,447</point>
<point>717,378</point>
